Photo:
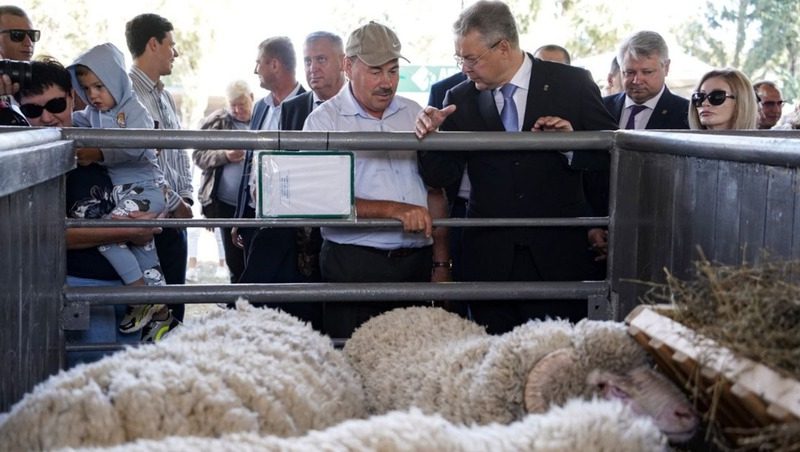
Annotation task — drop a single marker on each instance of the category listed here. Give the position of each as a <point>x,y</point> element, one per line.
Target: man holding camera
<point>17,38</point>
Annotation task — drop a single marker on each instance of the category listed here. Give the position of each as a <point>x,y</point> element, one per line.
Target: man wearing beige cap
<point>387,183</point>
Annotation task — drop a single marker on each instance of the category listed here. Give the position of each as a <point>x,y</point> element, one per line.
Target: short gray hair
<point>237,88</point>
<point>492,19</point>
<point>334,39</point>
<point>644,44</point>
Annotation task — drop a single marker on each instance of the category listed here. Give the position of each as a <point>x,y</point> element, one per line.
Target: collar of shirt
<point>643,118</point>
<point>141,76</point>
<point>650,104</point>
<point>352,108</point>
<point>317,100</point>
<point>270,99</point>
<point>522,80</point>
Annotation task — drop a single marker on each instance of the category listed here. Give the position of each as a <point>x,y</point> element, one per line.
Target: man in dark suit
<point>645,65</point>
<point>543,96</point>
<point>270,254</point>
<point>645,103</point>
<point>323,57</point>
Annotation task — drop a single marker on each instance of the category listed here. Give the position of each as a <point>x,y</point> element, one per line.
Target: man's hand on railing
<point>551,124</point>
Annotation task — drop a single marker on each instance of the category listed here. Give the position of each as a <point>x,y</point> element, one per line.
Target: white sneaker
<point>191,274</point>
<point>222,273</point>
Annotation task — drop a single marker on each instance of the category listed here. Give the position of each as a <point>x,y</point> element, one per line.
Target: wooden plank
<point>751,377</point>
<point>752,210</point>
<point>726,222</point>
<point>703,212</point>
<point>780,215</point>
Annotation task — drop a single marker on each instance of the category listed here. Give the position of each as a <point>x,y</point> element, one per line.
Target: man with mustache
<point>387,183</point>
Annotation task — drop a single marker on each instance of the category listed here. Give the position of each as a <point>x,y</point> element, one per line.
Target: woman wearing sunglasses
<point>724,100</point>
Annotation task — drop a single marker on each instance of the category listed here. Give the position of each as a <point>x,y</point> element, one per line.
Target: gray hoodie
<point>124,165</point>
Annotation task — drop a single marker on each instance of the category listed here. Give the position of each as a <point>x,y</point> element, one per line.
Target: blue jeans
<point>103,326</point>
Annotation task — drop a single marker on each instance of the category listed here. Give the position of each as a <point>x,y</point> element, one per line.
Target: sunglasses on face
<point>56,105</point>
<point>716,97</point>
<point>18,35</point>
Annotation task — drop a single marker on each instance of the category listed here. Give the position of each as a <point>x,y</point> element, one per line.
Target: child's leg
<point>147,199</point>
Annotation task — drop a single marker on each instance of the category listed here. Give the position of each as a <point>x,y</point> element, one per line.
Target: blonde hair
<point>238,88</point>
<point>745,115</point>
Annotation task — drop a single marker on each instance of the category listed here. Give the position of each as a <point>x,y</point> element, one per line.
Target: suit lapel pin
<point>546,87</point>
<point>663,112</point>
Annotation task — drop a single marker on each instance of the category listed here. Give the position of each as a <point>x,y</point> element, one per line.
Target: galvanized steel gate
<point>663,187</point>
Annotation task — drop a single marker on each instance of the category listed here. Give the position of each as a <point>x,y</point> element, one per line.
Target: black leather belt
<point>399,252</point>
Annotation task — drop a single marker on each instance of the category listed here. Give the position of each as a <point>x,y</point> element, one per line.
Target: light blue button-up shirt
<point>379,175</point>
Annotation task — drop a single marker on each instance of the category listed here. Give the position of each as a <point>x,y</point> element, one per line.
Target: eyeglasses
<point>18,35</point>
<point>716,97</point>
<point>470,61</point>
<point>55,105</point>
<point>772,103</point>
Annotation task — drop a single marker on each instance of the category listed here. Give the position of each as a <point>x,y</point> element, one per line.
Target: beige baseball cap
<point>374,44</point>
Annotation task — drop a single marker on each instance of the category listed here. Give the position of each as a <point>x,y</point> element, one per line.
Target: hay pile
<point>754,310</point>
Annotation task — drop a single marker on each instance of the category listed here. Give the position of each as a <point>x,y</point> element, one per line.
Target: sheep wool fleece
<point>440,363</point>
<point>243,370</point>
<point>600,426</point>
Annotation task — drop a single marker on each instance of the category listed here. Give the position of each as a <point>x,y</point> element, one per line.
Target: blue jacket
<point>108,64</point>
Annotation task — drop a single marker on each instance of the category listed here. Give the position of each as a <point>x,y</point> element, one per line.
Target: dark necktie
<point>635,110</point>
<point>509,112</point>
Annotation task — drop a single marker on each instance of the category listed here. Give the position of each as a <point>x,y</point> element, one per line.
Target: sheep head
<point>553,380</point>
<point>651,394</point>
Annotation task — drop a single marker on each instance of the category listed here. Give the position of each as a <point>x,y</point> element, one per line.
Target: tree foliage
<point>759,37</point>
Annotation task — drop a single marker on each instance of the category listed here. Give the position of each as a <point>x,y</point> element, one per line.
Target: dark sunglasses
<point>18,35</point>
<point>716,97</point>
<point>56,105</point>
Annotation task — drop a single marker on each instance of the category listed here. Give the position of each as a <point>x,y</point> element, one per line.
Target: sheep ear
<point>543,376</point>
<point>609,385</point>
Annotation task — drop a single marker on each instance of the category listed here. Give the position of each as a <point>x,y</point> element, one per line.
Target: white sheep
<point>244,370</point>
<point>436,361</point>
<point>577,426</point>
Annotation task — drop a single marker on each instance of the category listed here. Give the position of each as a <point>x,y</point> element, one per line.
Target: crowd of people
<point>352,86</point>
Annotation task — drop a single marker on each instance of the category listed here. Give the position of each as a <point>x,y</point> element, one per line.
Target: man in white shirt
<point>387,183</point>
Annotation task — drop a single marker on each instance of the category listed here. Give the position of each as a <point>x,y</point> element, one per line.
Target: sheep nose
<point>686,414</point>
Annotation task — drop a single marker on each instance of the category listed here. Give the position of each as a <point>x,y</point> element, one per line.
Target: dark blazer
<point>439,89</point>
<point>522,184</point>
<point>671,112</point>
<point>260,109</point>
<point>436,99</point>
<point>270,253</point>
<point>295,111</point>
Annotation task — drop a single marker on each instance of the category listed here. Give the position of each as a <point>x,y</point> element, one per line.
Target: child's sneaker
<point>137,316</point>
<point>157,329</point>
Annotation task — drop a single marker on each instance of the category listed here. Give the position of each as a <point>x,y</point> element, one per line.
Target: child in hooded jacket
<point>102,82</point>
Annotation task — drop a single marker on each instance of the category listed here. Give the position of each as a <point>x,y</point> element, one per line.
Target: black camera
<point>18,71</point>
